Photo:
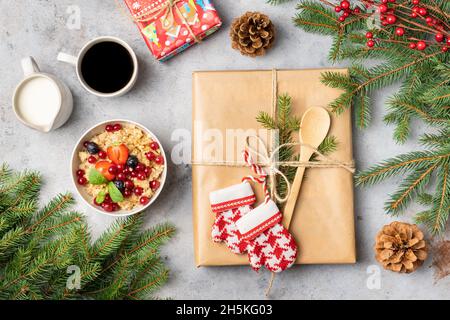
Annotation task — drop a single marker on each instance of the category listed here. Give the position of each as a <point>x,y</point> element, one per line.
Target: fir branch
<point>266,120</point>
<point>412,185</point>
<point>398,165</point>
<point>36,247</point>
<point>424,93</point>
<point>328,145</point>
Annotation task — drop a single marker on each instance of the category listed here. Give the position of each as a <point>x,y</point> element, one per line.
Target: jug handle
<point>29,66</point>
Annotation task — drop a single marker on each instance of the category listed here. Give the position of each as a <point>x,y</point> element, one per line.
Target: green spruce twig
<point>424,94</point>
<point>38,246</point>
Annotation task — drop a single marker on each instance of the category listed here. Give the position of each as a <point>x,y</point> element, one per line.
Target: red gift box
<point>171,26</point>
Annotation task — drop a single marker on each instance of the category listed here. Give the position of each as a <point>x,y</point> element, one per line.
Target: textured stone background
<point>161,101</point>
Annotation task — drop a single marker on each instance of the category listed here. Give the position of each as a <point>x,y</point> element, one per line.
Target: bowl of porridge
<point>119,167</point>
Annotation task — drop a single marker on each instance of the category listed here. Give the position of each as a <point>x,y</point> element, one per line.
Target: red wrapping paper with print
<point>166,35</point>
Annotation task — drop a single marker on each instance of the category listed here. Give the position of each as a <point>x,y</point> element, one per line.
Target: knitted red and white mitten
<point>230,204</point>
<point>269,243</point>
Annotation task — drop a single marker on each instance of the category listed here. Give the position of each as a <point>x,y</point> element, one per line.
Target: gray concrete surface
<point>161,101</point>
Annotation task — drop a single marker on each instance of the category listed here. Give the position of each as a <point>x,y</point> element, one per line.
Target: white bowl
<point>87,136</point>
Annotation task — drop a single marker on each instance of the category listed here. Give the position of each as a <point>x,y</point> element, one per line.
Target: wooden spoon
<point>314,128</point>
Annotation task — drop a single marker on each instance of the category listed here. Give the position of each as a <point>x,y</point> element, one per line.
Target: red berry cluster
<point>108,205</point>
<point>81,179</point>
<point>344,7</point>
<point>388,17</point>
<point>113,127</point>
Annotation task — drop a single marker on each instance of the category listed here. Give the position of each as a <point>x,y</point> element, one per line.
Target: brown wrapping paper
<point>323,220</point>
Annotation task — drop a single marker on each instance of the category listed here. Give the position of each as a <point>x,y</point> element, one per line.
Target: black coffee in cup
<point>107,67</point>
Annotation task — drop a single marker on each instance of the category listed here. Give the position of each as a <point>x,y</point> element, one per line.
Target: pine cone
<point>252,34</point>
<point>400,247</point>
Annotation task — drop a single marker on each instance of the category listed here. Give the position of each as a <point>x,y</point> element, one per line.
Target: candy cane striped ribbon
<point>262,175</point>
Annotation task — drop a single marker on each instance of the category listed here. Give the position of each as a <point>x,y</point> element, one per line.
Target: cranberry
<point>117,127</point>
<point>148,171</point>
<point>92,159</point>
<point>80,173</point>
<point>127,193</point>
<point>138,191</point>
<point>154,184</point>
<point>140,167</point>
<point>150,156</point>
<point>421,45</point>
<point>337,9</point>
<point>85,144</point>
<point>120,168</point>
<point>345,14</point>
<point>108,207</point>
<point>357,10</point>
<point>129,184</point>
<point>121,176</point>
<point>154,145</point>
<point>141,176</point>
<point>412,45</point>
<point>370,43</point>
<point>391,19</point>
<point>369,35</point>
<point>102,154</point>
<point>115,207</point>
<point>383,8</point>
<point>345,4</point>
<point>112,169</point>
<point>423,11</point>
<point>134,174</point>
<point>128,170</point>
<point>109,128</point>
<point>444,49</point>
<point>144,200</point>
<point>96,203</point>
<point>400,31</point>
<point>159,160</point>
<point>439,37</point>
<point>82,181</point>
<point>107,199</point>
<point>341,18</point>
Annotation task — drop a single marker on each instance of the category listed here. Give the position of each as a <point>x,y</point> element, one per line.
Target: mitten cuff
<point>259,220</point>
<point>232,197</point>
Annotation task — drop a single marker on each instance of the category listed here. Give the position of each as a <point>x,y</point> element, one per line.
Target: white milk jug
<point>41,101</point>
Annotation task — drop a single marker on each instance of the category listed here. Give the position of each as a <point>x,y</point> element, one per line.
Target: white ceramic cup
<point>77,60</point>
<point>62,98</point>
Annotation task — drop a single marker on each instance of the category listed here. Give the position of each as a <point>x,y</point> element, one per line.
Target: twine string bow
<point>269,160</point>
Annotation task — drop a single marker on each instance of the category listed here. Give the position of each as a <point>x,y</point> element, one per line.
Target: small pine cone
<point>252,34</point>
<point>400,247</point>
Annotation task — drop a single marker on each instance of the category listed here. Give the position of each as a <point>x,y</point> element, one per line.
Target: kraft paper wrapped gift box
<point>323,219</point>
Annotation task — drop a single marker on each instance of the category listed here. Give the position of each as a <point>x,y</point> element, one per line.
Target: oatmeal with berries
<point>121,167</point>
